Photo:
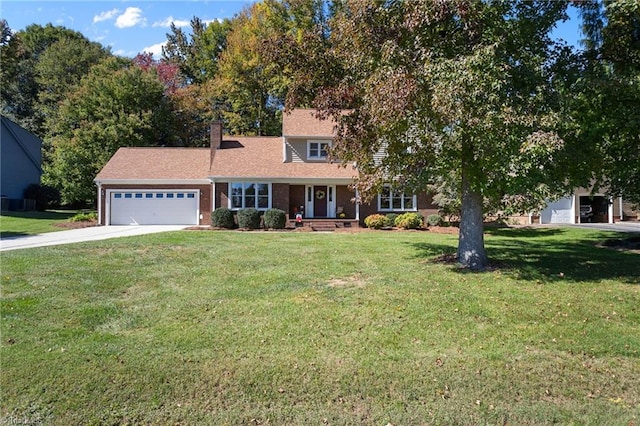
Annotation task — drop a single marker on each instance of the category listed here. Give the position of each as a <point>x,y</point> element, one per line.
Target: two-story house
<point>291,173</point>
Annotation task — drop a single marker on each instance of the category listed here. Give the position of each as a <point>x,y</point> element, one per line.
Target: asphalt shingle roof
<point>240,158</point>
<point>253,157</point>
<point>302,122</point>
<point>157,163</point>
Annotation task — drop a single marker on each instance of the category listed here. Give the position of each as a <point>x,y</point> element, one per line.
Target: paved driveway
<point>93,233</point>
<point>616,227</point>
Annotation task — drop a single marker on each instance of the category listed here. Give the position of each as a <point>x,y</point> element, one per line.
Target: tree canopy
<point>117,104</point>
<point>462,92</point>
<point>606,102</point>
<point>39,66</point>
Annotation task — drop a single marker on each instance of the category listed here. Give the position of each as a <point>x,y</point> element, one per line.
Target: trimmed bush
<point>222,218</point>
<point>275,219</point>
<point>377,221</point>
<point>392,218</point>
<point>434,220</point>
<point>249,218</point>
<point>409,221</point>
<point>84,217</point>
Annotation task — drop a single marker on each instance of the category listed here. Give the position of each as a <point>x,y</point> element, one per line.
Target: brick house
<point>291,173</point>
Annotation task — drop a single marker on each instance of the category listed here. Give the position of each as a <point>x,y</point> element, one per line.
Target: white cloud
<point>105,16</point>
<point>155,50</point>
<point>131,17</point>
<point>166,23</point>
<point>208,21</point>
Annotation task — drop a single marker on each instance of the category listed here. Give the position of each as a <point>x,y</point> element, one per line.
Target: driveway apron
<point>94,233</point>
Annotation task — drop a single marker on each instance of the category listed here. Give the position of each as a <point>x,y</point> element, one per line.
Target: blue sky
<point>130,26</point>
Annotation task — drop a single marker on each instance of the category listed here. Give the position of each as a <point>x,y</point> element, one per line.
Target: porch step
<point>323,226</point>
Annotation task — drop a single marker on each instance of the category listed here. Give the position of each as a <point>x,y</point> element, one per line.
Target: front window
<point>393,200</point>
<point>318,149</point>
<point>250,195</point>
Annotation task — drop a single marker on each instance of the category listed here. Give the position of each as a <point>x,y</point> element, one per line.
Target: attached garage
<point>156,186</point>
<point>153,207</point>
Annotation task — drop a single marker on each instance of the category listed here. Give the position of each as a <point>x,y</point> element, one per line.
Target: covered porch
<point>320,200</point>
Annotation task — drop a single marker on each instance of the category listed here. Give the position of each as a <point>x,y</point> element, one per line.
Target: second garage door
<point>560,211</point>
<point>142,207</point>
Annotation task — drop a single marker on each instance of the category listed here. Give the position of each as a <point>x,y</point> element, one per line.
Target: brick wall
<point>296,198</point>
<point>221,196</point>
<point>344,199</point>
<point>280,196</point>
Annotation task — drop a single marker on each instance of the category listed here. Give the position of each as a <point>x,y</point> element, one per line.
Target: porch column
<point>357,206</point>
<point>621,210</point>
<point>610,210</point>
<point>100,204</point>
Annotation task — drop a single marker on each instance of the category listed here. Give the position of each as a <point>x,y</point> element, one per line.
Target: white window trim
<point>320,142</point>
<point>244,206</point>
<point>400,195</point>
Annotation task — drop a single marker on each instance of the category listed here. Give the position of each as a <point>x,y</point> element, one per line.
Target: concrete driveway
<point>616,227</point>
<point>93,233</point>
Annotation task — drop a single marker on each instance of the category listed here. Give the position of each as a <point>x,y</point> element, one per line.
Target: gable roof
<point>29,144</point>
<point>163,164</point>
<point>261,158</point>
<point>303,122</point>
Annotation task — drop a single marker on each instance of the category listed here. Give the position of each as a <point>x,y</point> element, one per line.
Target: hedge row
<point>404,220</point>
<point>248,219</point>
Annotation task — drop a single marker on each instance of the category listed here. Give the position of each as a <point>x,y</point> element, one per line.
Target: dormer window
<point>317,150</point>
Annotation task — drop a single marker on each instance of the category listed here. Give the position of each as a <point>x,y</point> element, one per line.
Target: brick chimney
<point>215,137</point>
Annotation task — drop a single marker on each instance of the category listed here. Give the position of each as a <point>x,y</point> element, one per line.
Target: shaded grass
<point>289,328</point>
<point>15,224</point>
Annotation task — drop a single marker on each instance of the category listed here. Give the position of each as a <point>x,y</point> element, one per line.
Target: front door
<point>320,201</point>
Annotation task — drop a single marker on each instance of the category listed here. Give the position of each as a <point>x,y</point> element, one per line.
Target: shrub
<point>434,220</point>
<point>275,219</point>
<point>377,221</point>
<point>84,217</point>
<point>392,218</point>
<point>46,197</point>
<point>249,218</point>
<point>222,218</point>
<point>409,221</point>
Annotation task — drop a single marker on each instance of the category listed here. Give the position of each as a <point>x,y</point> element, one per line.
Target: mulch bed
<point>76,225</point>
<point>434,229</point>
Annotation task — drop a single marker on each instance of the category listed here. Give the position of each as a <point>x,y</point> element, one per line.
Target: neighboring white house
<point>584,207</point>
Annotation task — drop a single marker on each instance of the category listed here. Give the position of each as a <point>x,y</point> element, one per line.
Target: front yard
<point>198,327</point>
<point>15,224</point>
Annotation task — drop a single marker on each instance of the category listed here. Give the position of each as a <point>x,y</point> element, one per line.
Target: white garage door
<point>154,207</point>
<point>560,211</point>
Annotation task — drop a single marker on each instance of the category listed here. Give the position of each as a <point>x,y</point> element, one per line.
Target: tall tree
<point>27,84</point>
<point>117,104</point>
<point>463,93</point>
<point>197,55</point>
<point>247,86</point>
<point>59,69</point>
<point>606,103</point>
<point>5,32</point>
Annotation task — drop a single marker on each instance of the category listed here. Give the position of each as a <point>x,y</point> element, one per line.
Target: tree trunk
<point>471,252</point>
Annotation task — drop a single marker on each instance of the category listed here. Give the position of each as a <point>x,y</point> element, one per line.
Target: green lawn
<point>14,224</point>
<point>200,327</point>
